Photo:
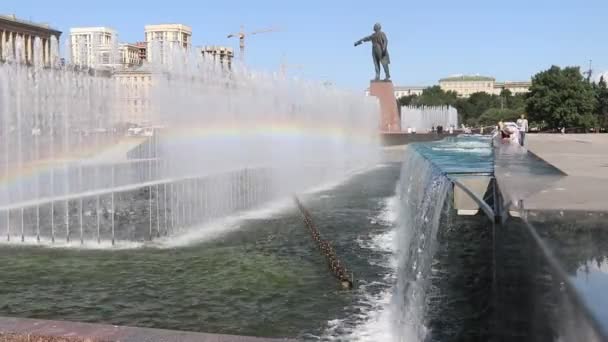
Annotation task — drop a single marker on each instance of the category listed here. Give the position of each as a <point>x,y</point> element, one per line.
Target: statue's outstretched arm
<point>365,39</point>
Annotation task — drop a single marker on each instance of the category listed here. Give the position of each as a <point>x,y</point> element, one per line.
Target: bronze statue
<point>379,51</point>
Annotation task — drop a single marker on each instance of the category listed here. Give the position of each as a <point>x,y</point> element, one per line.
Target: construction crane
<point>285,66</point>
<point>242,34</point>
<point>589,72</point>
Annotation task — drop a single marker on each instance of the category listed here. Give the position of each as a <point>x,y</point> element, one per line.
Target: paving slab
<point>583,155</point>
<point>24,329</point>
<point>555,172</point>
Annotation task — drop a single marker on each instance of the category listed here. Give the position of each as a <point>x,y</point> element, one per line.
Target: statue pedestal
<point>389,112</point>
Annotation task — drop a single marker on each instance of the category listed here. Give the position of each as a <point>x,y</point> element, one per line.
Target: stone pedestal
<point>389,113</point>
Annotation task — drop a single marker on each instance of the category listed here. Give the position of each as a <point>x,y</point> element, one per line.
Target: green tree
<point>409,100</point>
<point>506,93</point>
<point>471,108</point>
<point>602,102</point>
<point>493,115</point>
<point>561,98</point>
<point>517,102</point>
<point>435,96</point>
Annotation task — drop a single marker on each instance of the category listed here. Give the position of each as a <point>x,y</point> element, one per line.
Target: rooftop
<point>410,87</point>
<point>92,29</point>
<point>467,78</point>
<point>514,83</point>
<point>14,19</point>
<point>162,27</point>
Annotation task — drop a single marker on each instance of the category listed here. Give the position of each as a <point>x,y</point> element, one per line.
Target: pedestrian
<point>522,125</point>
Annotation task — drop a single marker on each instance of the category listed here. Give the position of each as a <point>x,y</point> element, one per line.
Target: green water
<point>264,279</point>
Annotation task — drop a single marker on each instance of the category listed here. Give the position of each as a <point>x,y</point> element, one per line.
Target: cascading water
<point>393,308</point>
<point>422,191</point>
<point>410,298</point>
<point>216,141</point>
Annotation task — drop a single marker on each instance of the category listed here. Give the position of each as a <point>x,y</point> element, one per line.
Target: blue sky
<point>428,39</point>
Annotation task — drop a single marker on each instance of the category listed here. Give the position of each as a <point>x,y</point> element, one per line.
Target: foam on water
<point>216,228</point>
<point>373,321</point>
<point>393,308</point>
<point>46,242</point>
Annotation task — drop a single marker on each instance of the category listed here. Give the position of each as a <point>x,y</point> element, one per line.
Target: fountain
<point>215,141</point>
<point>215,146</point>
<point>422,119</point>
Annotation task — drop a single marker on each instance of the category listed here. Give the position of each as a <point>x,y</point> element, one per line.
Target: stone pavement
<point>562,172</point>
<point>35,330</point>
<point>581,155</point>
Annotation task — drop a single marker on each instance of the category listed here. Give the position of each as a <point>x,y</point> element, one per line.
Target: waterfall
<point>422,192</point>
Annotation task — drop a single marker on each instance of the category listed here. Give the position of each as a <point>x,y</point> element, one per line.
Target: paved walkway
<point>571,174</point>
<point>24,329</point>
<point>584,155</point>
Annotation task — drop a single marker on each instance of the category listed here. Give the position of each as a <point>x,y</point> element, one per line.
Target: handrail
<point>482,204</point>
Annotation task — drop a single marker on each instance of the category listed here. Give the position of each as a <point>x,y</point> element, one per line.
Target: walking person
<point>522,124</point>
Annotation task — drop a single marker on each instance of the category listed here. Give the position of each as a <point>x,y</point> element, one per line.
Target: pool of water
<point>260,274</point>
<point>461,154</point>
<point>265,277</point>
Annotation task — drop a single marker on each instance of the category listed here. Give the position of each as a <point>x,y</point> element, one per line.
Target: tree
<point>435,96</point>
<point>408,100</point>
<point>602,102</point>
<point>491,116</point>
<point>505,93</point>
<point>470,109</point>
<point>561,98</point>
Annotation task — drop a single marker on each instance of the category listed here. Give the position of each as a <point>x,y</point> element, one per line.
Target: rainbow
<point>278,129</point>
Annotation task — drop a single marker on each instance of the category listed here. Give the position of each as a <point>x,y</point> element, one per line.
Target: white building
<point>135,96</point>
<point>222,54</point>
<point>95,47</point>
<point>14,30</point>
<point>129,55</point>
<point>514,87</point>
<point>162,38</point>
<point>401,91</point>
<point>465,85</point>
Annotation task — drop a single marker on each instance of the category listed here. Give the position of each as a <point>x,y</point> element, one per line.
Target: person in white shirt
<point>522,125</point>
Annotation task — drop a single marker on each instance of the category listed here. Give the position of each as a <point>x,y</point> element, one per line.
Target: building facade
<point>514,87</point>
<point>222,54</point>
<point>135,94</point>
<point>143,48</point>
<point>465,86</point>
<point>129,55</point>
<point>95,47</point>
<point>20,40</point>
<point>163,38</point>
